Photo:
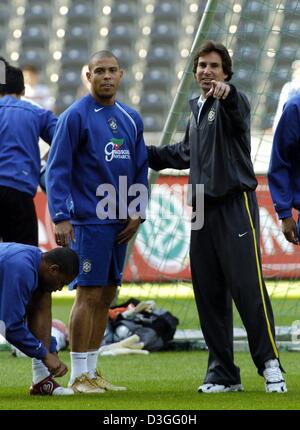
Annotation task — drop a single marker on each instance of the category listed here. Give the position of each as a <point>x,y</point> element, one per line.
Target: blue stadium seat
<point>153,122</point>
<point>287,53</point>
<point>38,14</point>
<point>161,57</point>
<point>201,7</point>
<point>35,37</point>
<point>154,102</point>
<point>291,31</point>
<point>89,3</point>
<point>69,80</point>
<point>81,13</point>
<point>78,37</point>
<point>220,12</point>
<point>75,57</point>
<point>31,3</point>
<point>292,10</point>
<point>4,13</point>
<point>252,32</point>
<point>279,76</point>
<point>244,79</point>
<point>167,11</point>
<point>124,13</point>
<point>122,35</point>
<point>164,34</point>
<point>63,101</point>
<point>2,40</point>
<point>125,56</point>
<point>156,79</point>
<point>246,55</point>
<point>215,32</point>
<point>254,10</point>
<point>36,57</point>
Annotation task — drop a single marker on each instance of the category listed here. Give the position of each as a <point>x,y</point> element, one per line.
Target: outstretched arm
<point>236,105</point>
<point>176,156</point>
<point>39,320</point>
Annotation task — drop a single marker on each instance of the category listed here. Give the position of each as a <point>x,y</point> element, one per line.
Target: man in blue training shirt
<point>283,175</point>
<point>97,163</point>
<point>26,274</point>
<point>21,125</point>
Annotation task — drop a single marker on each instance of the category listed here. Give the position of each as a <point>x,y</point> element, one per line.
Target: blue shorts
<point>101,258</point>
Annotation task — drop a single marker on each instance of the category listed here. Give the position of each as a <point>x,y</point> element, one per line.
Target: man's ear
<point>88,76</point>
<point>53,268</point>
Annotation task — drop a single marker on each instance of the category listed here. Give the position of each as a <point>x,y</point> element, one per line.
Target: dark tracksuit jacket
<point>225,255</point>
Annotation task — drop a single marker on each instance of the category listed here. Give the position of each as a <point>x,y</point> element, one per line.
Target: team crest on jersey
<point>112,122</point>
<point>87,266</point>
<point>211,115</point>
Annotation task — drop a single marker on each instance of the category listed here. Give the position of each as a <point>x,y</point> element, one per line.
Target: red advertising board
<point>161,251</point>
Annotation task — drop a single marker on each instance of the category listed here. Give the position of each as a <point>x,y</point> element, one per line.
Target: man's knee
<point>95,297</point>
<point>108,295</point>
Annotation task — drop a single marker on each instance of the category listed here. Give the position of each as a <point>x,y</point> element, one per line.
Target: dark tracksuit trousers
<point>18,219</point>
<point>226,263</point>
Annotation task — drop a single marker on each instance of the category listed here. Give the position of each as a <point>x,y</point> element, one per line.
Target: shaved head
<point>99,55</point>
<point>104,75</point>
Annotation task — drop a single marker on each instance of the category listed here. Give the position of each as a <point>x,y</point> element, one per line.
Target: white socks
<point>39,371</point>
<point>81,362</point>
<point>78,365</point>
<point>92,357</point>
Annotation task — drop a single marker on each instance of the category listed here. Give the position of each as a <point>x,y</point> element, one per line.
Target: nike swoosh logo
<point>243,234</point>
<point>97,110</point>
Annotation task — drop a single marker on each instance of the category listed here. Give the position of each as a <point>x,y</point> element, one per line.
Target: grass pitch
<point>159,381</point>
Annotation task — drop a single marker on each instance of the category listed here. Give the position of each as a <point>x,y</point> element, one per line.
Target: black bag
<point>155,328</point>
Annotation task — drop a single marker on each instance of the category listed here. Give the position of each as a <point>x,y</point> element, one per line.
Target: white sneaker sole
<point>61,391</point>
<point>276,388</point>
<point>216,388</point>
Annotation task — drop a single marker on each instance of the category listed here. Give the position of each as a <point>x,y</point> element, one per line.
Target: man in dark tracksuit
<point>225,255</point>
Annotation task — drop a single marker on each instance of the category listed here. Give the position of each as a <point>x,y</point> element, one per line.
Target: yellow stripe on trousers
<point>260,277</point>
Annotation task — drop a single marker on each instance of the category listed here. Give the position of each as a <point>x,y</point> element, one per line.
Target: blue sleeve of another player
<point>53,344</point>
<point>59,165</point>
<point>141,170</point>
<point>13,303</point>
<point>281,173</point>
<point>48,123</point>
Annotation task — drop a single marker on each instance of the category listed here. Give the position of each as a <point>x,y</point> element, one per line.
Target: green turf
<point>163,381</point>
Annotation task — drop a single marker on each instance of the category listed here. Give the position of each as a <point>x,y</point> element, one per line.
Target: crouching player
<point>27,278</point>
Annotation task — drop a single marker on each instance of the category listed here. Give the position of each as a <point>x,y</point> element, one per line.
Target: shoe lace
<point>273,374</point>
<point>103,380</point>
<point>84,378</point>
<point>98,373</point>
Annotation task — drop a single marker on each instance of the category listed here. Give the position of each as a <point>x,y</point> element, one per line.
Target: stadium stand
<point>151,38</point>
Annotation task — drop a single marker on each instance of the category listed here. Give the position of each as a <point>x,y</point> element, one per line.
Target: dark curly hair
<point>14,80</point>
